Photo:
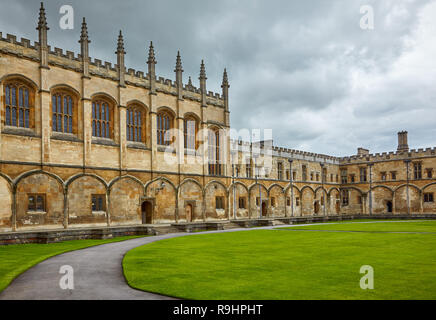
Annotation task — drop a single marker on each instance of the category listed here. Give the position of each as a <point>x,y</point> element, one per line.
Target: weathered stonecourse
<point>87,143</point>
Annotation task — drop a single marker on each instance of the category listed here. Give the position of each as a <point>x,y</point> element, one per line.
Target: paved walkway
<point>98,273</point>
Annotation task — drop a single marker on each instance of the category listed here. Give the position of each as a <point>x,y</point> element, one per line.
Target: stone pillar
<point>421,201</point>
<point>14,208</point>
<point>123,138</point>
<point>87,124</point>
<point>65,208</point>
<point>108,211</point>
<point>44,104</point>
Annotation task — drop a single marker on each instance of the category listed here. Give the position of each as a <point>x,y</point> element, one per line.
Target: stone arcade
<point>84,143</point>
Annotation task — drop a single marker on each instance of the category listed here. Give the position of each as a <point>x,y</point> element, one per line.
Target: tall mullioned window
<point>417,170</point>
<point>363,175</point>
<point>344,178</point>
<point>101,119</point>
<point>164,125</point>
<point>62,112</point>
<point>248,172</point>
<point>18,105</point>
<point>214,153</point>
<point>135,124</point>
<point>345,198</point>
<point>190,131</point>
<point>304,172</point>
<point>280,170</point>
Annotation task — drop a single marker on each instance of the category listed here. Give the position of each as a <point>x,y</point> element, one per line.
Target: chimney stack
<point>402,141</point>
<point>362,152</point>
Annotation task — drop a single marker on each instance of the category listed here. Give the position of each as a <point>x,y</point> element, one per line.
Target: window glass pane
<point>31,205</point>
<point>53,102</point>
<point>100,203</point>
<point>7,98</point>
<point>14,116</point>
<point>21,117</point>
<point>94,204</point>
<point>97,111</point>
<point>66,124</point>
<point>65,105</point>
<point>93,128</point>
<point>59,104</point>
<point>26,98</point>
<point>39,203</point>
<point>107,113</point>
<point>98,132</point>
<point>93,111</point>
<point>70,106</point>
<point>26,118</point>
<point>54,122</point>
<point>20,97</point>
<point>103,108</point>
<point>14,96</point>
<point>71,125</point>
<point>8,115</point>
<point>107,130</point>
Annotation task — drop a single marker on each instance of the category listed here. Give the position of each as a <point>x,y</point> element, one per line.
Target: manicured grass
<point>17,258</point>
<point>282,264</point>
<point>395,226</point>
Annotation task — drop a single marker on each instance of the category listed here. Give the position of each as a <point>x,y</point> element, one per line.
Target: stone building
<point>84,142</point>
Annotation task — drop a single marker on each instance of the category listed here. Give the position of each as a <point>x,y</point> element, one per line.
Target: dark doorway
<point>338,207</point>
<point>189,213</point>
<point>264,209</point>
<point>147,212</point>
<point>389,206</point>
<point>316,207</point>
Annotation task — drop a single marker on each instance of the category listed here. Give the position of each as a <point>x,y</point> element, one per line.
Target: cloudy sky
<point>306,69</point>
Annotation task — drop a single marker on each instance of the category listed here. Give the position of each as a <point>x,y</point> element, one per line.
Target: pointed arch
<point>77,176</point>
<point>24,175</point>
<point>19,77</point>
<point>130,177</point>
<point>190,180</point>
<point>215,182</point>
<point>157,179</point>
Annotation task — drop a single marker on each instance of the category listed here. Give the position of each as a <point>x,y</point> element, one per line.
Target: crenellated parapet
<point>389,156</point>
<point>243,146</point>
<point>25,48</point>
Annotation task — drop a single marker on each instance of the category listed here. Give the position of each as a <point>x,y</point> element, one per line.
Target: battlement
<point>244,146</point>
<point>386,156</point>
<point>70,60</point>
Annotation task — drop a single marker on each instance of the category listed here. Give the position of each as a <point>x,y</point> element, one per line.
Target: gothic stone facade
<point>84,143</point>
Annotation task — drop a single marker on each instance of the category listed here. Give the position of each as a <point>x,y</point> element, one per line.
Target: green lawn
<point>17,258</point>
<point>282,264</point>
<point>394,226</point>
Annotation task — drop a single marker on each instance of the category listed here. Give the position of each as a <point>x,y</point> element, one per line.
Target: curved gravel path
<point>98,273</point>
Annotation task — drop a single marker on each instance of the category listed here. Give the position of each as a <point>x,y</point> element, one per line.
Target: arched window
<point>62,112</point>
<point>214,152</point>
<point>164,124</point>
<point>18,105</point>
<point>135,124</point>
<point>101,119</point>
<point>190,132</point>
